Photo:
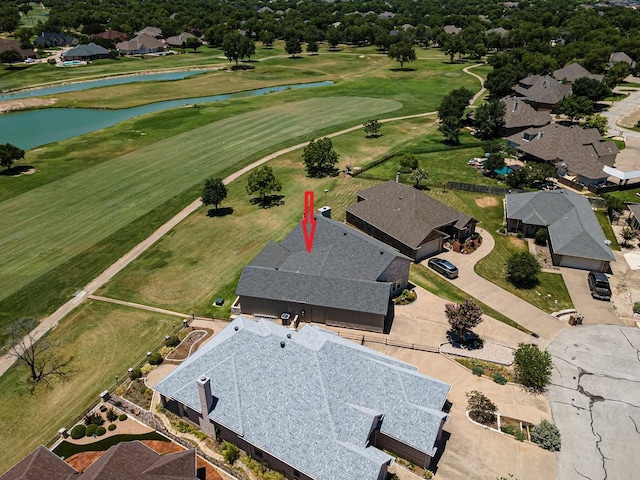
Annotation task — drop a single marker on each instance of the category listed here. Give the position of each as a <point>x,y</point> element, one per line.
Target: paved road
<point>594,396</point>
<point>504,302</point>
<point>619,110</point>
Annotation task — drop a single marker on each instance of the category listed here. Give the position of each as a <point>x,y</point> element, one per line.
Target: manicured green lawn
<point>49,225</point>
<point>37,14</point>
<point>104,340</point>
<point>603,219</point>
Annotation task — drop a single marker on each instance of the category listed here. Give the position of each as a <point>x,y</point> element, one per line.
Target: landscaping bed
<point>489,369</point>
<point>139,394</point>
<point>190,343</point>
<point>67,449</point>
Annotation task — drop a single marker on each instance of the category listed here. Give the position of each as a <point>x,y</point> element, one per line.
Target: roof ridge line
<point>325,397</point>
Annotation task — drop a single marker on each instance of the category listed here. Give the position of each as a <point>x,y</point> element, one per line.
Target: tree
<point>575,107</point>
<point>320,158</point>
<point>25,8</point>
<point>542,236</point>
<point>293,46</point>
<point>454,103</point>
<point>596,121</point>
<point>232,46</point>
<point>489,118</point>
<point>451,45</point>
<point>333,37</point>
<point>481,409</point>
<point>41,357</point>
<point>590,88</point>
<point>450,128</point>
<point>402,52</point>
<point>614,205</point>
<point>547,435</point>
<point>463,317</point>
<point>408,163</point>
<point>9,18</point>
<point>418,175</point>
<point>247,48</point>
<point>312,47</point>
<point>214,192</point>
<point>193,43</point>
<point>267,38</point>
<point>9,154</point>
<point>617,73</point>
<point>517,179</point>
<point>539,172</point>
<point>523,269</point>
<point>494,162</point>
<point>627,233</point>
<point>371,128</point>
<point>532,366</point>
<point>10,57</point>
<point>263,182</point>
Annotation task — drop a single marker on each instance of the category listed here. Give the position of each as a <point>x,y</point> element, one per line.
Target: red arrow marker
<point>308,220</point>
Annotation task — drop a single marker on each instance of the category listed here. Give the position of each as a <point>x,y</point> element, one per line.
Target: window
<point>296,473</point>
<point>258,453</point>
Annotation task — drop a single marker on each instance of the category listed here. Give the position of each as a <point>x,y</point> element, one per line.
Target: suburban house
<point>154,32</point>
<point>308,403</point>
<point>543,92</point>
<point>616,57</point>
<point>498,31</point>
<point>140,45</point>
<point>179,40</point>
<point>403,217</point>
<point>576,239</point>
<point>52,39</point>
<point>6,44</point>
<point>87,52</point>
<point>634,215</point>
<point>346,280</point>
<point>111,35</point>
<point>132,460</point>
<point>570,73</point>
<point>577,152</point>
<point>519,115</point>
<point>451,29</point>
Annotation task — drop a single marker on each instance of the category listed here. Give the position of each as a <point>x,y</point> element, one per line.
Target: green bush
<point>499,379</point>
<point>172,341</point>
<point>508,429</point>
<point>547,435</point>
<point>428,474</point>
<point>122,417</point>
<point>135,374</point>
<point>636,307</point>
<point>93,419</point>
<point>78,431</point>
<point>541,236</point>
<point>479,371</point>
<point>532,366</point>
<point>100,431</point>
<point>230,452</point>
<point>155,358</point>
<point>112,416</point>
<point>112,427</point>
<point>91,429</point>
<point>520,436</point>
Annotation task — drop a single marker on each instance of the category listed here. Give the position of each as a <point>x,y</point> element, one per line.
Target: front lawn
<point>603,220</point>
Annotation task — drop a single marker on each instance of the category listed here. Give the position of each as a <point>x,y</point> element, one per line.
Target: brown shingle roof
<point>542,89</point>
<point>573,71</point>
<point>520,114</point>
<point>14,45</point>
<point>41,464</point>
<point>404,212</point>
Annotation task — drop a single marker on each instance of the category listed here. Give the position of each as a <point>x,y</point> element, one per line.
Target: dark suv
<point>599,285</point>
<point>443,266</point>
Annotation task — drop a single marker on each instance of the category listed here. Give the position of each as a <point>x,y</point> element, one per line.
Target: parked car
<point>599,285</point>
<point>443,267</point>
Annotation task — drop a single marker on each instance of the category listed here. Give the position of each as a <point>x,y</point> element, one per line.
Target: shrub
<point>78,431</point>
<point>481,409</point>
<point>523,269</point>
<point>508,429</point>
<point>112,427</point>
<point>112,416</point>
<point>93,419</point>
<point>547,435</point>
<point>122,417</point>
<point>532,366</point>
<point>520,436</point>
<point>541,237</point>
<point>636,307</point>
<point>230,452</point>
<point>135,374</point>
<point>499,379</point>
<point>427,474</point>
<point>91,429</point>
<point>479,371</point>
<point>172,341</point>
<point>100,431</point>
<point>155,358</point>
<point>408,163</point>
<point>146,368</point>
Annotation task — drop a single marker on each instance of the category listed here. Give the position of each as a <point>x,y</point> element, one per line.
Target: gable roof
<point>137,43</point>
<point>573,227</point>
<point>519,113</point>
<point>341,271</point>
<point>581,149</point>
<point>573,71</point>
<point>179,40</point>
<point>55,39</point>
<point>151,31</point>
<point>405,213</point>
<point>42,463</point>
<point>315,399</point>
<point>451,29</point>
<point>499,30</point>
<point>542,89</point>
<point>88,50</point>
<point>6,44</point>
<point>616,57</point>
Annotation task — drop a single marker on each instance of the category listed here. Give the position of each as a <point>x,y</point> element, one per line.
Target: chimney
<point>397,177</point>
<point>206,398</point>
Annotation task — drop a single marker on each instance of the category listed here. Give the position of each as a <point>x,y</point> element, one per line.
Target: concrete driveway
<point>594,396</point>
<point>594,311</point>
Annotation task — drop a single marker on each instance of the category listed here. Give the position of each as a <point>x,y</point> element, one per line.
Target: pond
<point>34,128</point>
<point>105,82</point>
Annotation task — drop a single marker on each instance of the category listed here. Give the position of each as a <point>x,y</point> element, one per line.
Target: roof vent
<point>236,328</point>
<point>282,344</point>
<point>344,233</point>
<point>288,335</point>
<point>203,378</point>
<point>381,252</point>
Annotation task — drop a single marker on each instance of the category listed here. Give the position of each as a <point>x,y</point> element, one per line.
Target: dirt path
<point>52,320</point>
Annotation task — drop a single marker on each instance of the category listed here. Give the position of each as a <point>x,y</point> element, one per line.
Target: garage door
<point>429,248</point>
<point>581,263</point>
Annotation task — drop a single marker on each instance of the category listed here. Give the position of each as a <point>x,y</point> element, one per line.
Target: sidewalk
<point>504,302</point>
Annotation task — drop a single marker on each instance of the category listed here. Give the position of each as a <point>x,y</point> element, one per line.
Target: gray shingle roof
<point>573,227</point>
<point>88,50</point>
<point>313,401</point>
<point>573,71</point>
<point>634,208</point>
<point>542,89</point>
<point>519,114</point>
<point>616,57</point>
<point>404,212</point>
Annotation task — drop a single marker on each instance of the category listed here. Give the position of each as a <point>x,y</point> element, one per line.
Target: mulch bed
<point>197,336</point>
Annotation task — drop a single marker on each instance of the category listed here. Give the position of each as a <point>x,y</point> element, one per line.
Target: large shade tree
<point>214,192</point>
<point>263,182</point>
<point>463,317</point>
<point>402,52</point>
<point>9,154</point>
<point>320,158</point>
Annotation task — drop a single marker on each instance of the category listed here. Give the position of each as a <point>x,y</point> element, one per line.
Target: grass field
<point>37,14</point>
<point>105,340</point>
<point>605,223</point>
